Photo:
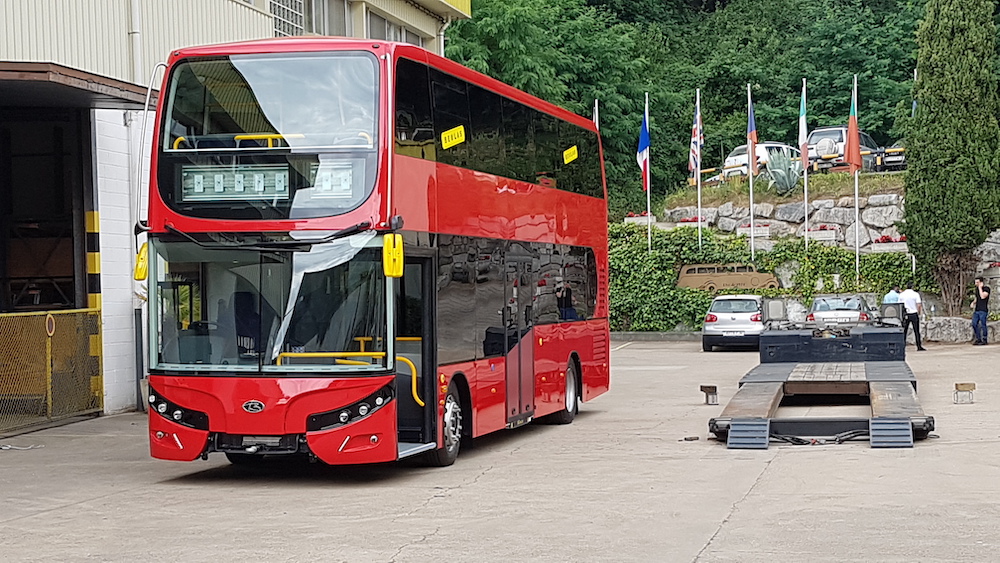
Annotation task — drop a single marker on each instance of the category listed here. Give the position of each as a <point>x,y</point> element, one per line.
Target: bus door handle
<point>413,379</point>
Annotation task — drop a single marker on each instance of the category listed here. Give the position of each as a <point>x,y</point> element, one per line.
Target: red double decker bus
<point>360,251</point>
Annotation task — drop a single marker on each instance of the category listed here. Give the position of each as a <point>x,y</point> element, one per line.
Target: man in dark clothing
<point>980,306</point>
<point>564,301</point>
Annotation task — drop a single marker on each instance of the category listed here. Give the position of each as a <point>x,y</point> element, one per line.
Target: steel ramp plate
<point>749,434</point>
<point>890,432</point>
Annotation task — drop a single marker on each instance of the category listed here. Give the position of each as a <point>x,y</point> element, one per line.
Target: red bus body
<point>432,204</point>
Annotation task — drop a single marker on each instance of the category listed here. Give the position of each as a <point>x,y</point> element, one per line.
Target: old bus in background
<point>352,248</point>
<point>722,276</point>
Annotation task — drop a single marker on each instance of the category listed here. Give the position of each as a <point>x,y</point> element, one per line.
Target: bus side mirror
<point>392,255</point>
<point>141,263</point>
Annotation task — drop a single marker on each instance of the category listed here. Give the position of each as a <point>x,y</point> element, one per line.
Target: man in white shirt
<point>913,305</point>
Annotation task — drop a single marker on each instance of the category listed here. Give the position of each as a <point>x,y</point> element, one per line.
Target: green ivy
<point>643,281</point>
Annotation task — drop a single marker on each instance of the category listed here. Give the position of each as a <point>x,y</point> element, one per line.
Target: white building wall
<point>113,175</point>
<point>93,35</point>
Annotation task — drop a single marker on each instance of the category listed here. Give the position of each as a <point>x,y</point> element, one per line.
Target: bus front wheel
<point>451,426</point>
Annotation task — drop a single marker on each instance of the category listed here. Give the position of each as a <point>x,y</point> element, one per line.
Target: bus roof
<point>321,43</point>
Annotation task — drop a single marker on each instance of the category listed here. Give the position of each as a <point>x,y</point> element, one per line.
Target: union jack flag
<point>697,138</point>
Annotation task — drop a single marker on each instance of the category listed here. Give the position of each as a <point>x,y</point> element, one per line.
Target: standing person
<point>565,301</point>
<point>914,307</point>
<point>980,307</point>
<point>892,296</point>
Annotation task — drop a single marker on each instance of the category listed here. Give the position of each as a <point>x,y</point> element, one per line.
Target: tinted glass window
<point>486,143</point>
<point>490,301</point>
<point>519,141</point>
<point>735,306</point>
<point>478,129</point>
<point>837,135</point>
<point>451,118</point>
<point>456,290</point>
<point>548,155</point>
<point>414,125</point>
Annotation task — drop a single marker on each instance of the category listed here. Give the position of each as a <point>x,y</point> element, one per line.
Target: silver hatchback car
<point>732,320</point>
<point>839,311</point>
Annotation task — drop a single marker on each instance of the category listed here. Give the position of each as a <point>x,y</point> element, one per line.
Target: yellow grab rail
<point>269,137</point>
<point>339,358</point>
<point>413,379</point>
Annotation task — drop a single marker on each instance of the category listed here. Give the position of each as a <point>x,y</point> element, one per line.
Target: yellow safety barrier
<point>340,357</point>
<point>50,367</point>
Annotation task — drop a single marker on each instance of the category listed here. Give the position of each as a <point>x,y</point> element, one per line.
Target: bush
<point>643,284</point>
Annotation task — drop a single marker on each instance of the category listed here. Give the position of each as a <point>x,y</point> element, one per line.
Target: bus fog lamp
<point>161,408</point>
<point>152,399</point>
<point>344,416</point>
<point>363,409</point>
<point>379,401</point>
<point>178,415</point>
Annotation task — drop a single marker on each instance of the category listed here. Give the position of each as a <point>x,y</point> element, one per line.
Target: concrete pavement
<point>619,484</point>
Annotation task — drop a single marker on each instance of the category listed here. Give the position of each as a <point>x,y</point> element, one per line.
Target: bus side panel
<point>489,395</point>
<point>597,368</point>
<point>558,343</point>
<point>552,351</point>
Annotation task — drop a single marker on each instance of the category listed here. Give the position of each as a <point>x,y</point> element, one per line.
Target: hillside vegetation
<point>573,51</point>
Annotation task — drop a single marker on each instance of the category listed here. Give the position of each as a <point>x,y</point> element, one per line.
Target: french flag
<point>642,154</point>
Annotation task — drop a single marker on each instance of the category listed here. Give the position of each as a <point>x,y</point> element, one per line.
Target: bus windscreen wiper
<point>296,245</point>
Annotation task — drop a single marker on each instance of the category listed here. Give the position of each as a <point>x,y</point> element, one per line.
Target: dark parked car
<point>895,157</point>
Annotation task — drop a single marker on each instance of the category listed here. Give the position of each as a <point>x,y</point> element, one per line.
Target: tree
<point>951,191</point>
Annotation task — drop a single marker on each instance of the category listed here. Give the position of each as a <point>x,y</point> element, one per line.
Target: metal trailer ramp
<point>886,384</point>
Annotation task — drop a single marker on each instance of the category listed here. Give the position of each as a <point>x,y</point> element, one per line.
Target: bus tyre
<point>571,404</point>
<point>451,427</point>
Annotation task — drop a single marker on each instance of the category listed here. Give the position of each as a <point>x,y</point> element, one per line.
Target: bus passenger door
<point>415,342</point>
<point>520,350</point>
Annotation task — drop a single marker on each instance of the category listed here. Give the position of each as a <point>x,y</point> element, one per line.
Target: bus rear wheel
<point>571,404</point>
<point>451,427</point>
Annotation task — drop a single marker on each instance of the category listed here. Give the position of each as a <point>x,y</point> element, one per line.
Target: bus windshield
<point>216,309</point>
<point>270,136</point>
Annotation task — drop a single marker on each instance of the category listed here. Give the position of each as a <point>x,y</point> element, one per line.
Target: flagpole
<point>649,188</point>
<point>857,211</point>
<point>597,116</point>
<point>697,168</point>
<point>751,165</point>
<point>804,155</point>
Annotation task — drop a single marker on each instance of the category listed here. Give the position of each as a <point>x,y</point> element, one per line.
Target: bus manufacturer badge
<point>253,406</point>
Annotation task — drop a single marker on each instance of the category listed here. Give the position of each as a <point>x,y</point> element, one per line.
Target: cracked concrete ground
<point>619,484</point>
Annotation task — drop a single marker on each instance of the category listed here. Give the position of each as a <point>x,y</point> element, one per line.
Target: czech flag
<point>642,154</point>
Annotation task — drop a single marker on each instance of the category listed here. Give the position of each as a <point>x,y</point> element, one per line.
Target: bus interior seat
<point>247,322</point>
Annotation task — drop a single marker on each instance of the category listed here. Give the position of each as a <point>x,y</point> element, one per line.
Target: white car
<point>736,162</point>
<point>732,320</point>
<point>829,142</point>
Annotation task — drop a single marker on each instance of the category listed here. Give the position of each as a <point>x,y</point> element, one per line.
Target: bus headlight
<point>176,413</point>
<point>351,413</point>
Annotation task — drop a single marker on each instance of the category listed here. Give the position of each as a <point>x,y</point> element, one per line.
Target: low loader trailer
<point>822,367</point>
